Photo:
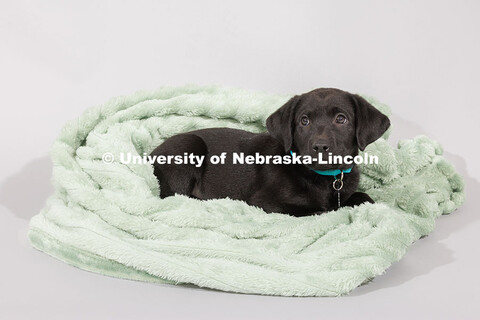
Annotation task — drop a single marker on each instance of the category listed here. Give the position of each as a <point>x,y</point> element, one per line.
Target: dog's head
<point>327,121</point>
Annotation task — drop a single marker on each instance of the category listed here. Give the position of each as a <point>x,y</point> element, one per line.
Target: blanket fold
<point>106,217</point>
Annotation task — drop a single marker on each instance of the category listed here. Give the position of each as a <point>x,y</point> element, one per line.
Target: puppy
<point>321,121</point>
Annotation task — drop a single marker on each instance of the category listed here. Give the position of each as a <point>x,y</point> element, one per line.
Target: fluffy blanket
<point>108,217</point>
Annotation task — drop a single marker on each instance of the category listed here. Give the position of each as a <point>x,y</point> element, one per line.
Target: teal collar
<point>333,172</point>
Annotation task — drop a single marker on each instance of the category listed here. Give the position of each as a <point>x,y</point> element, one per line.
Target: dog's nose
<point>320,146</point>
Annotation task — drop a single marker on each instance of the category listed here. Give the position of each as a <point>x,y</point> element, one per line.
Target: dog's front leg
<point>357,198</point>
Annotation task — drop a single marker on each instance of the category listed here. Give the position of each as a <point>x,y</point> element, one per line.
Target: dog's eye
<point>304,121</point>
<point>341,119</point>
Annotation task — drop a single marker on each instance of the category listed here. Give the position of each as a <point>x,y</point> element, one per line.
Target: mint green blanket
<point>108,218</point>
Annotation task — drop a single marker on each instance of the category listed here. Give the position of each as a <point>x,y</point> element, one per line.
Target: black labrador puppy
<point>321,121</point>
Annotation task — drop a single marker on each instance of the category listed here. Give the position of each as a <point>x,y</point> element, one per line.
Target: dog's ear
<point>280,124</point>
<point>370,124</point>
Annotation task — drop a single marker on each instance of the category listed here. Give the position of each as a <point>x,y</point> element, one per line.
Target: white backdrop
<point>420,57</point>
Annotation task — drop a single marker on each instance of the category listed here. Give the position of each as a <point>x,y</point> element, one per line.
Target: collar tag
<point>337,186</point>
<point>338,183</point>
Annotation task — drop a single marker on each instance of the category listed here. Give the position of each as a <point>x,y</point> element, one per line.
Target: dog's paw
<point>357,199</point>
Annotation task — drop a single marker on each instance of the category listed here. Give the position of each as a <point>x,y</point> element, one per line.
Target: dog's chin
<point>333,166</point>
<point>326,166</point>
